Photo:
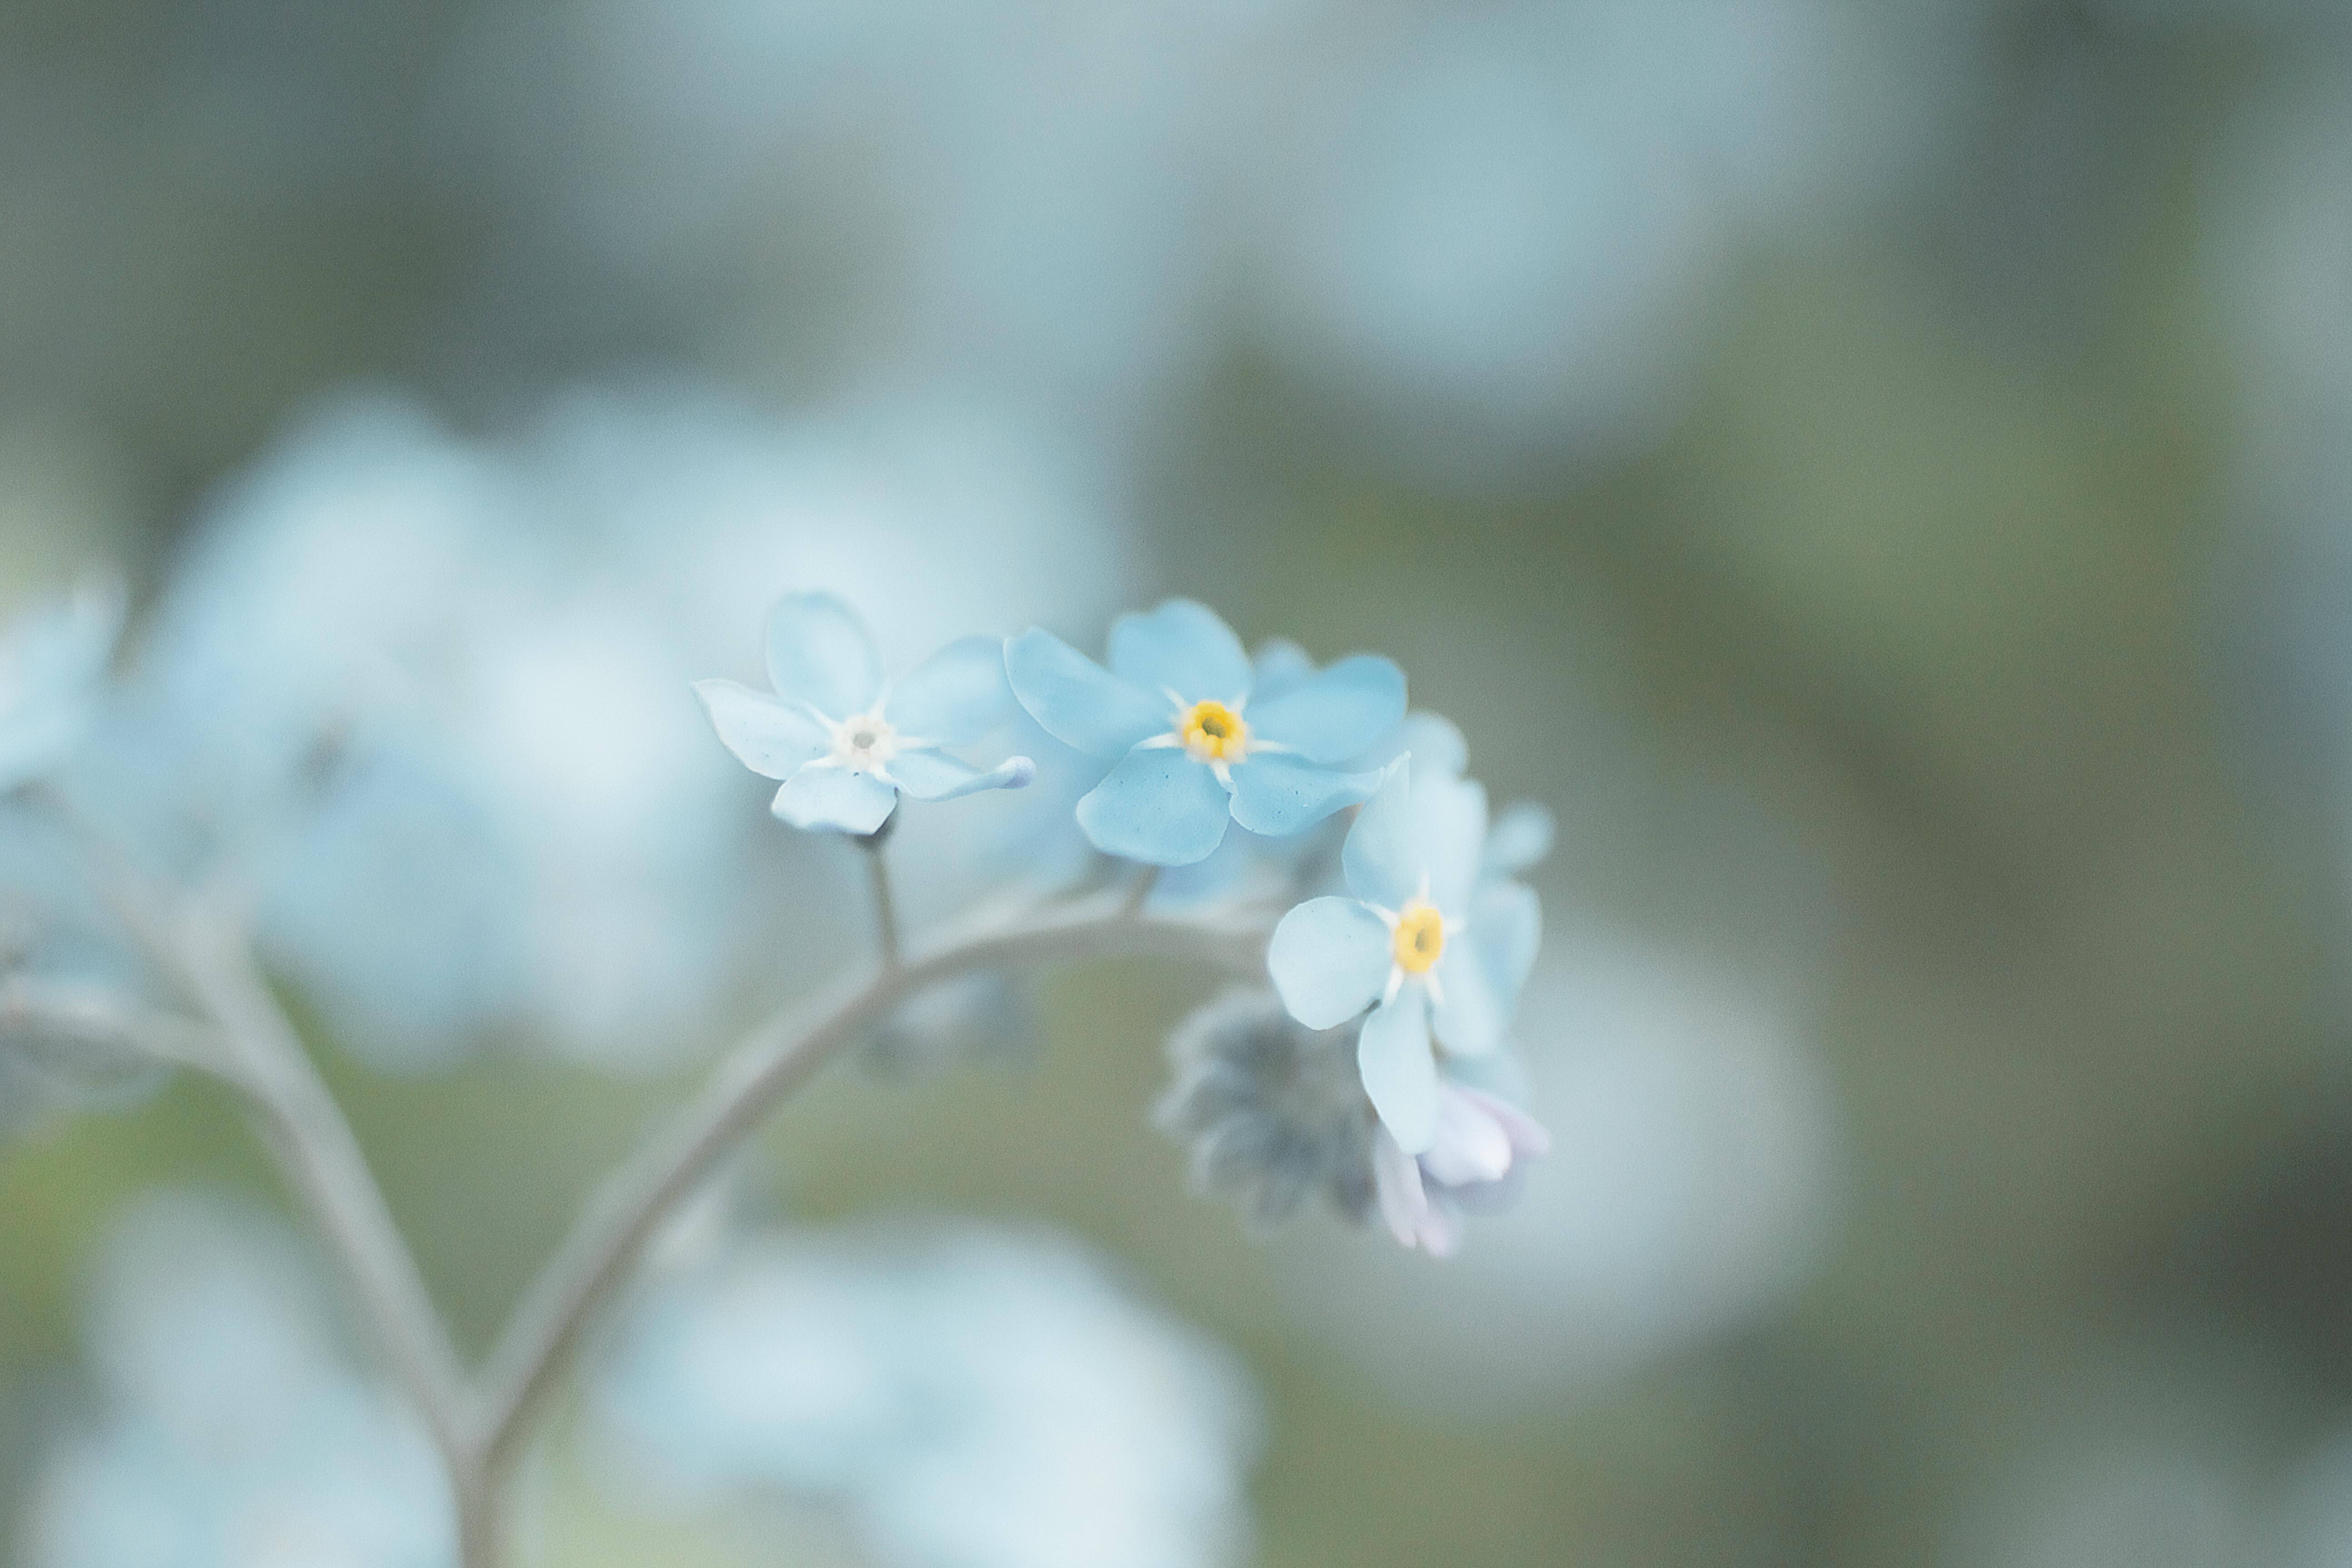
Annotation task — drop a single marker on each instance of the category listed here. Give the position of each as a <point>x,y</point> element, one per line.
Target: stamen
<point>864,741</point>
<point>1213,732</point>
<point>1420,937</point>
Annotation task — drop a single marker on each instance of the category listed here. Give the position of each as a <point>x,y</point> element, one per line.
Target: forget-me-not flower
<point>1404,946</point>
<point>1476,1160</point>
<point>845,741</point>
<point>1190,751</point>
<point>51,668</point>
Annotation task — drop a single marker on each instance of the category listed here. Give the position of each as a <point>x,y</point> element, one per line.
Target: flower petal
<point>1470,1020</point>
<point>1521,836</point>
<point>1183,647</point>
<point>1079,702</point>
<point>820,653</point>
<point>1529,1137</point>
<point>1450,822</point>
<point>1471,1145</point>
<point>927,775</point>
<point>1400,1073</point>
<point>1429,739</point>
<point>1279,796</point>
<point>1330,958</point>
<point>1337,714</point>
<point>1440,1232</point>
<point>766,736</point>
<point>1382,857</point>
<point>825,798</point>
<point>1507,919</point>
<point>1159,806</point>
<point>1278,665</point>
<point>955,696</point>
<point>1396,1177</point>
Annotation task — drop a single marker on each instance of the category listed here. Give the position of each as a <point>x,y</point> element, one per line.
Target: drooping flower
<point>1405,946</point>
<point>1272,1109</point>
<point>846,742</point>
<point>1173,712</point>
<point>1477,1161</point>
<point>50,670</point>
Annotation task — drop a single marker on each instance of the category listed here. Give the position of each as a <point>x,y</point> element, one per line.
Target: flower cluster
<point>1396,988</point>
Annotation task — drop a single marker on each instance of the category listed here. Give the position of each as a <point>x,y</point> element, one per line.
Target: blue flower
<point>1404,945</point>
<point>51,670</point>
<point>1174,713</point>
<point>845,742</point>
<point>1476,1160</point>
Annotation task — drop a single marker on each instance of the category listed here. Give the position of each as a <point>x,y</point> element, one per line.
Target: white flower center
<point>864,741</point>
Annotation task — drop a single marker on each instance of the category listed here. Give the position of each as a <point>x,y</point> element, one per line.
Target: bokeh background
<point>1882,474</point>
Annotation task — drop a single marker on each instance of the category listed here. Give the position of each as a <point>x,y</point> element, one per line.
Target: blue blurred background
<point>1880,474</point>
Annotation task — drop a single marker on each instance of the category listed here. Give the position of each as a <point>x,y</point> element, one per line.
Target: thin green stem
<point>628,1211</point>
<point>885,908</point>
<point>252,1049</point>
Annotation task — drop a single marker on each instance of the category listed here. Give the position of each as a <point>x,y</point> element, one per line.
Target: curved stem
<point>776,1057</point>
<point>252,1049</point>
<point>69,1022</point>
<point>304,1130</point>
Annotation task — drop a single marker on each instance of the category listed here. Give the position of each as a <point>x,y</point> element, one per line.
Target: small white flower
<point>845,775</point>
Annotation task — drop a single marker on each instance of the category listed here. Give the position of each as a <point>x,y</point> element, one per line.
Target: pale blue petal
<point>1336,715</point>
<point>1278,665</point>
<point>1182,647</point>
<point>51,670</point>
<point>1529,1138</point>
<point>927,775</point>
<point>1279,796</point>
<point>1400,1073</point>
<point>1159,806</point>
<point>1469,1021</point>
<point>1429,739</point>
<point>1329,959</point>
<point>1507,919</point>
<point>1396,1180</point>
<point>1382,859</point>
<point>766,736</point>
<point>1471,1145</point>
<point>955,696</point>
<point>1521,836</point>
<point>1079,702</point>
<point>822,797</point>
<point>1450,822</point>
<point>820,653</point>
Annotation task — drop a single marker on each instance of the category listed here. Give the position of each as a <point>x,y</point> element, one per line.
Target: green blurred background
<point>1941,667</point>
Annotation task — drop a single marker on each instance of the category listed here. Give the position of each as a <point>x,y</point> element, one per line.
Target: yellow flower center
<point>1213,733</point>
<point>1420,938</point>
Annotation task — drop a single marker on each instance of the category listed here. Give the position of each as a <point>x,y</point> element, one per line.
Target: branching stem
<point>478,1423</point>
<point>776,1059</point>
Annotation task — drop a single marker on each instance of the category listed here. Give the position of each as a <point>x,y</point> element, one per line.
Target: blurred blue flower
<point>970,1397</point>
<point>1404,941</point>
<point>234,1434</point>
<point>846,773</point>
<point>1174,710</point>
<point>1476,1160</point>
<point>52,668</point>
